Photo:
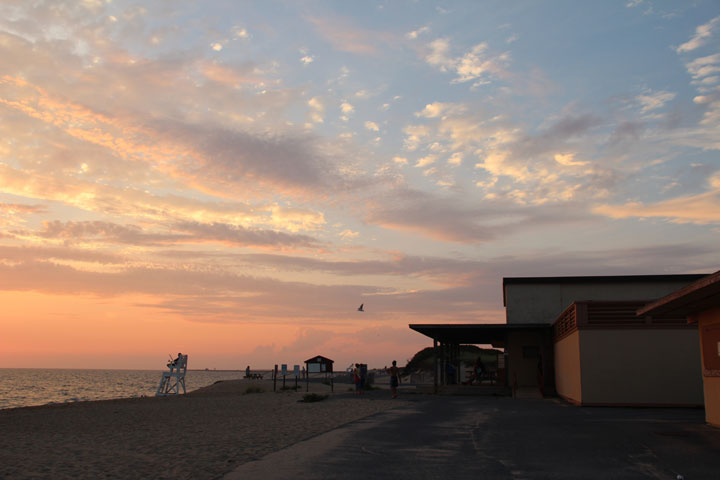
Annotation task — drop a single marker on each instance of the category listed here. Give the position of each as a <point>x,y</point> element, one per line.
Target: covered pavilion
<point>447,339</point>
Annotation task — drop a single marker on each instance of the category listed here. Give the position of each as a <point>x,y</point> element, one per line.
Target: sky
<point>233,179</point>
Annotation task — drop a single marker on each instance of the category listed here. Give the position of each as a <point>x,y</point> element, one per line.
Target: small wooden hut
<point>319,364</point>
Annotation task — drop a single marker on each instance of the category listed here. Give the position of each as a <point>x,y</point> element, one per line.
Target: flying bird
<point>360,308</point>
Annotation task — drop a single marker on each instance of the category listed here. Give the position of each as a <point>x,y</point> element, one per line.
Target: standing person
<point>356,378</point>
<point>363,377</point>
<point>394,373</point>
<point>247,371</point>
<point>541,376</point>
<point>478,370</point>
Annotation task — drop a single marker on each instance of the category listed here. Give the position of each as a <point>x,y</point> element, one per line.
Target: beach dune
<point>201,435</point>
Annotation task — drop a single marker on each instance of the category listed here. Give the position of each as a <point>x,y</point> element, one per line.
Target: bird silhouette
<point>360,308</point>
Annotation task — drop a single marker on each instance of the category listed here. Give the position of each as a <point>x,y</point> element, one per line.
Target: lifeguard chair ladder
<point>173,379</point>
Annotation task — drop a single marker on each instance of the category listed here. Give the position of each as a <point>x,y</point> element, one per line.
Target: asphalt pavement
<point>482,437</point>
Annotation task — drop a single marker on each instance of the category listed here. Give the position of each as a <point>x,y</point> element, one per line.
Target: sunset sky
<point>232,179</point>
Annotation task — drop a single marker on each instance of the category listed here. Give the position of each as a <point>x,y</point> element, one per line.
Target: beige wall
<point>567,368</point>
<point>711,384</point>
<point>643,366</point>
<point>712,400</point>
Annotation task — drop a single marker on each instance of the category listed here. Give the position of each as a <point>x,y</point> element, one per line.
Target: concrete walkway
<point>447,437</point>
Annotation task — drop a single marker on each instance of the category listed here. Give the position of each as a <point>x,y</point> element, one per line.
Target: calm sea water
<point>21,387</point>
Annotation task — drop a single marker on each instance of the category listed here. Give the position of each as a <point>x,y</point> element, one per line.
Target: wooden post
<point>275,378</point>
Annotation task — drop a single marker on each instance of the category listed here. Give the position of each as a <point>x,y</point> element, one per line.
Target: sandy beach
<point>203,434</point>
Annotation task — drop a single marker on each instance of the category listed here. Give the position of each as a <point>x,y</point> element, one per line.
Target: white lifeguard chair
<point>173,379</point>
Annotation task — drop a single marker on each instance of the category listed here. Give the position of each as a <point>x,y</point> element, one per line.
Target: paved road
<point>502,438</point>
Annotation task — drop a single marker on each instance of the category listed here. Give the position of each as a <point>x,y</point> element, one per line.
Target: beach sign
<point>296,370</point>
<point>283,368</point>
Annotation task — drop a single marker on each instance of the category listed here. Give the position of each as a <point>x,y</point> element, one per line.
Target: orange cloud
<point>700,209</point>
<point>227,75</point>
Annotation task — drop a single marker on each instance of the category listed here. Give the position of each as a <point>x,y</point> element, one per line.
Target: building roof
<point>319,359</point>
<point>700,295</point>
<point>472,333</point>
<point>689,277</point>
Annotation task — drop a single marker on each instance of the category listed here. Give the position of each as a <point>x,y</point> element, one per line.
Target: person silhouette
<point>394,373</point>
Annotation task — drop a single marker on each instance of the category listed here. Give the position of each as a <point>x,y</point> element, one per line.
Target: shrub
<point>313,397</point>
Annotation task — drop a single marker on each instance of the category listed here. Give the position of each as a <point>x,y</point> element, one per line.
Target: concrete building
<point>580,337</point>
<point>699,302</point>
<point>604,354</point>
<point>541,300</point>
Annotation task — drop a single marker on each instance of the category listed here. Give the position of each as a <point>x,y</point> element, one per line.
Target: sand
<point>201,435</point>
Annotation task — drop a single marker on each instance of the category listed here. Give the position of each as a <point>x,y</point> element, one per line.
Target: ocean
<point>22,387</point>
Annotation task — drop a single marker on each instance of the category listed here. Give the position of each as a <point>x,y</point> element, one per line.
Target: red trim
<point>643,405</point>
<point>570,400</point>
<point>630,405</point>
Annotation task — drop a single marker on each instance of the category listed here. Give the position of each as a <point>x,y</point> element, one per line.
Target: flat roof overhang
<point>474,333</point>
<point>701,295</point>
<point>687,277</point>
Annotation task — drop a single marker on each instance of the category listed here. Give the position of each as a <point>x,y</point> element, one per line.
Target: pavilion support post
<point>435,369</point>
<point>442,363</point>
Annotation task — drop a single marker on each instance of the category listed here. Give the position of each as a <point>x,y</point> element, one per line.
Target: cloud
<point>18,208</point>
<point>701,209</point>
<point>307,59</point>
<point>30,254</point>
<point>438,56</point>
<point>653,100</point>
<point>193,153</point>
<point>452,219</point>
<point>347,108</point>
<point>239,32</point>
<point>439,109</point>
<point>346,37</point>
<point>702,35</point>
<point>627,130</point>
<point>416,33</point>
<point>425,161</point>
<point>187,233</point>
<point>317,110</point>
<point>372,126</point>
<point>530,161</point>
<point>307,340</point>
<point>234,235</point>
<point>456,159</point>
<point>138,204</point>
<point>347,234</point>
<point>476,64</point>
<point>414,135</point>
<point>704,66</point>
<point>568,159</point>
